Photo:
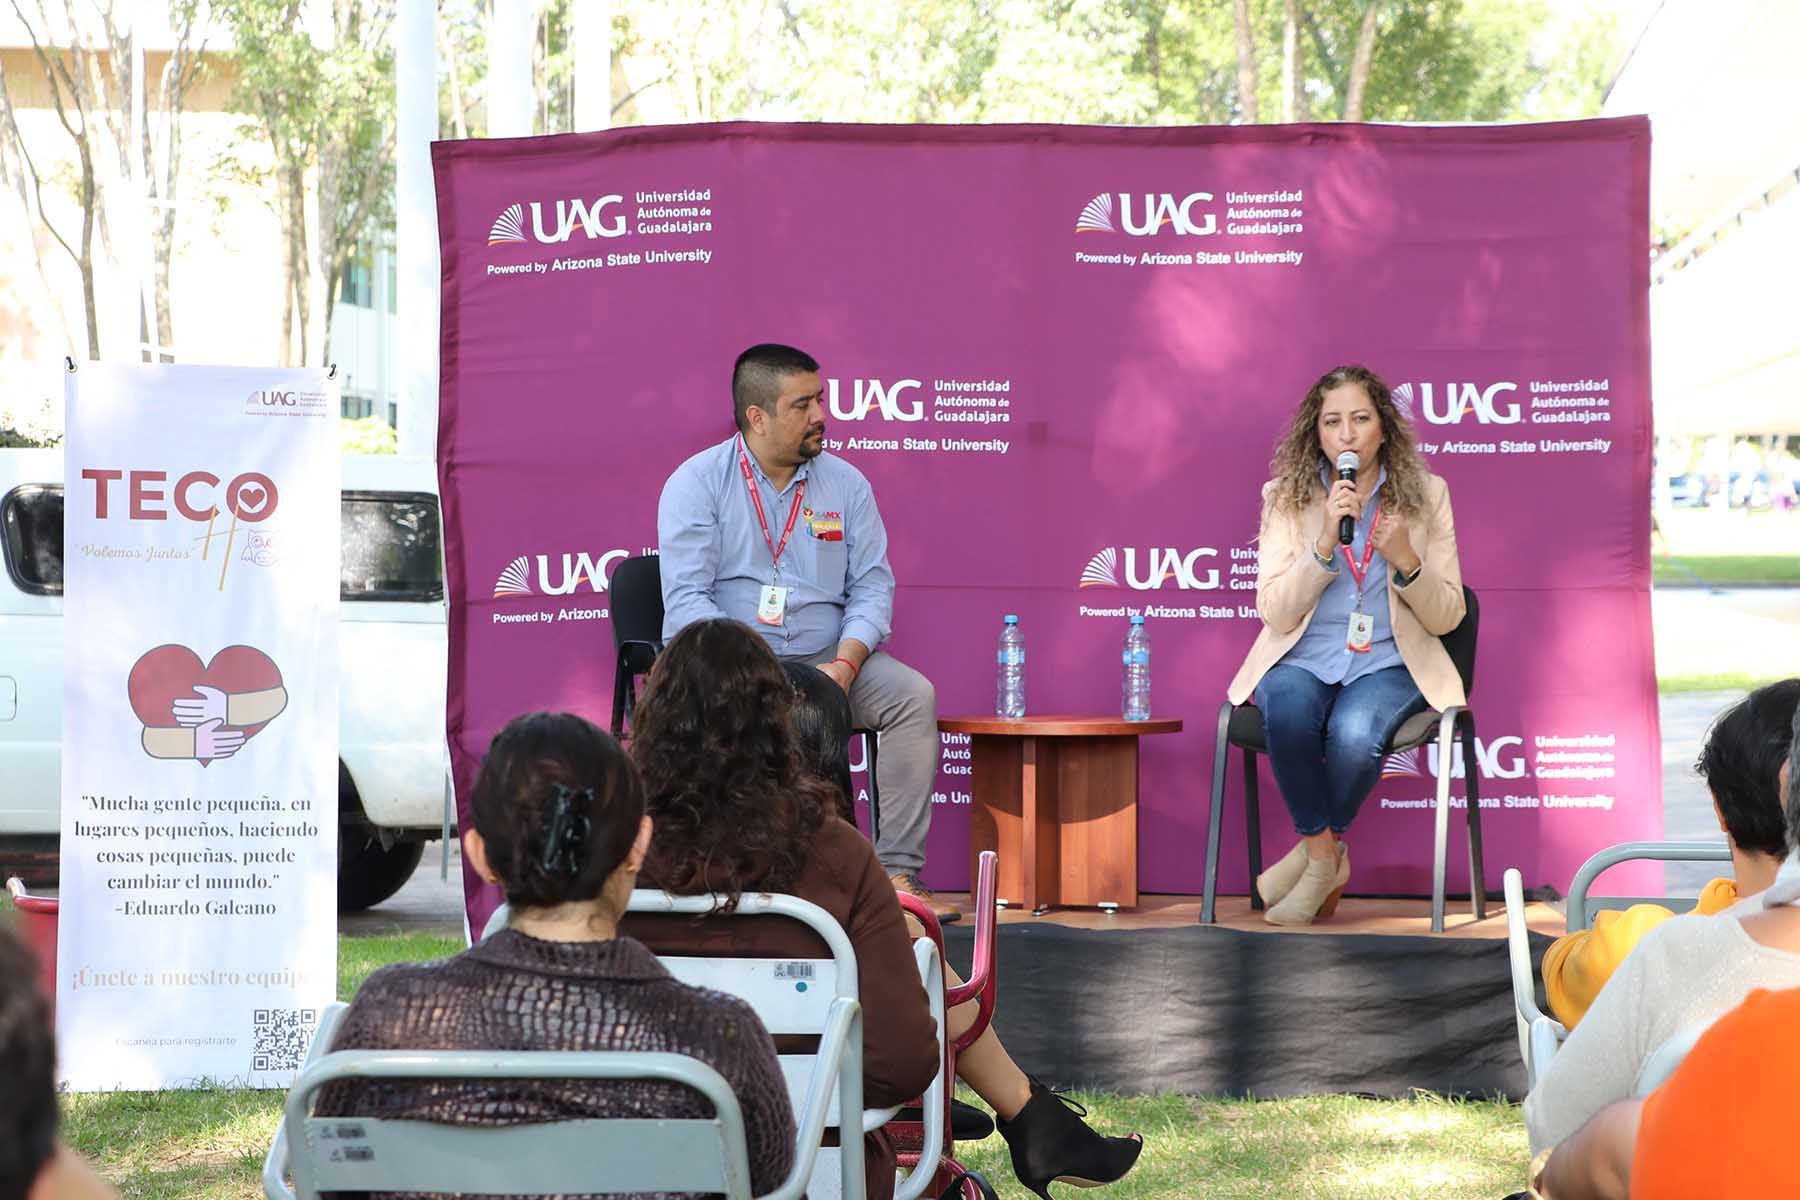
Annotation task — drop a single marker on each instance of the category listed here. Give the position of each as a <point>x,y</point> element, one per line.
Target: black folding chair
<point>1242,726</point>
<point>637,617</point>
<point>637,620</point>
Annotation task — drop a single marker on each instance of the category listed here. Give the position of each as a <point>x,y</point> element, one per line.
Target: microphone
<point>1347,462</point>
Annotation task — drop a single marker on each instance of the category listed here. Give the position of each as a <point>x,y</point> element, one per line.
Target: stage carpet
<point>1369,1003</point>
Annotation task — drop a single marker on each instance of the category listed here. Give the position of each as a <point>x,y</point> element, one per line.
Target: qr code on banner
<point>280,1036</point>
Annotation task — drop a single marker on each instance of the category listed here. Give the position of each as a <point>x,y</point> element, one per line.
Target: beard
<point>811,445</point>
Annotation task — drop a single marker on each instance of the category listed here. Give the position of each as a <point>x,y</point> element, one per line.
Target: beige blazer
<point>1289,582</point>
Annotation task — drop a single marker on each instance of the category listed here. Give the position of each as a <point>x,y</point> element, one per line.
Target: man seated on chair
<point>1741,761</point>
<point>1688,969</point>
<point>768,529</point>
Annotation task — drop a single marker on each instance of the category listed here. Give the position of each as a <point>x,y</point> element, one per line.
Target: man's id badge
<point>1362,632</point>
<point>772,608</point>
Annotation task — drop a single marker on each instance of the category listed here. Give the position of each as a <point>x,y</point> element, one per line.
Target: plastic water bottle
<point>1137,671</point>
<point>1010,689</point>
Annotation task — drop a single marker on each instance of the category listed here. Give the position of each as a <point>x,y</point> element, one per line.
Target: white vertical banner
<point>198,925</point>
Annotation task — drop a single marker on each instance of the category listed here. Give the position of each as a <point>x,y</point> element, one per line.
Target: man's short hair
<point>28,1064</point>
<point>1742,764</point>
<point>756,377</point>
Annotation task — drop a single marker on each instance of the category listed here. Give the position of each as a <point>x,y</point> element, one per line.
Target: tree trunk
<point>1246,63</point>
<point>291,179</point>
<point>1361,62</point>
<point>459,125</point>
<point>1293,79</point>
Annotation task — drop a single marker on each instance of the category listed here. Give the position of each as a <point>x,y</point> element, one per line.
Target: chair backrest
<point>1665,1058</point>
<point>1460,642</point>
<point>795,997</point>
<point>635,595</point>
<point>1539,1035</point>
<point>1582,906</point>
<point>595,1156</point>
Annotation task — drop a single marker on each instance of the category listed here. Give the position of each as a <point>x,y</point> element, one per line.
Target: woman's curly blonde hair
<point>1298,458</point>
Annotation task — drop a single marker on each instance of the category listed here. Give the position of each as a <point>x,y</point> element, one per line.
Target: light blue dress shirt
<point>1322,647</point>
<point>715,561</point>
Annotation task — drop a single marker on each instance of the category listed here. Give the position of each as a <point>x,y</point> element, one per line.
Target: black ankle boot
<point>1051,1142</point>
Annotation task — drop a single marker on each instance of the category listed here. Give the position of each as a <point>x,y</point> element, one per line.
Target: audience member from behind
<point>1689,969</point>
<point>737,811</point>
<point>32,1165</point>
<point>1741,762</point>
<point>1047,1140</point>
<point>1719,1125</point>
<point>560,825</point>
<point>821,718</point>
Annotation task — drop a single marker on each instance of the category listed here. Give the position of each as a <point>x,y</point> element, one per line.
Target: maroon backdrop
<point>1062,355</point>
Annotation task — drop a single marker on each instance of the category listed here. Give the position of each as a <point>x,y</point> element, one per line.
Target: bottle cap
<point>1012,619</point>
<point>1137,620</point>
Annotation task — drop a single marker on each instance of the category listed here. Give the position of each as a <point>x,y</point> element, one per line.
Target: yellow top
<point>1578,964</point>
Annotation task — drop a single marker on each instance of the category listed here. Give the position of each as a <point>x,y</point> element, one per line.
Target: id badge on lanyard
<point>1360,635</point>
<point>771,605</point>
<point>771,609</point>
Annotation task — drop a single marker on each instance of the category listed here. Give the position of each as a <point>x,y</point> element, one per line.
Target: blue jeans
<point>1327,740</point>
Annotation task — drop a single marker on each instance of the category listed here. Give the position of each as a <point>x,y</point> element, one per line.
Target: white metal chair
<point>787,995</point>
<point>1540,1036</point>
<point>1665,1058</point>
<point>1582,906</point>
<point>786,1009</point>
<point>330,1154</point>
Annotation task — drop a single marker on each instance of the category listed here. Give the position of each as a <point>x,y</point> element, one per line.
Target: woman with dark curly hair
<point>736,810</point>
<point>1350,649</point>
<point>560,825</point>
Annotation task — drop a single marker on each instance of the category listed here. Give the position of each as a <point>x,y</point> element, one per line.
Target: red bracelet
<point>854,669</point>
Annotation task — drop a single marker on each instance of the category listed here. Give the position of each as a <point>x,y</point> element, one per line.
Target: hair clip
<point>566,831</point>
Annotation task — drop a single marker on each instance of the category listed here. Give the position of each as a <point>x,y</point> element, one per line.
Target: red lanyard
<point>762,519</point>
<point>1357,570</point>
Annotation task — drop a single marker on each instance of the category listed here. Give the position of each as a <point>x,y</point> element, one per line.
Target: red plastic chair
<point>980,986</point>
<point>37,928</point>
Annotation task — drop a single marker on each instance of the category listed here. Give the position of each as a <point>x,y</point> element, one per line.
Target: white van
<point>392,771</point>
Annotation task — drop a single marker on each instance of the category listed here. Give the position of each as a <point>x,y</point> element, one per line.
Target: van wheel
<point>369,874</point>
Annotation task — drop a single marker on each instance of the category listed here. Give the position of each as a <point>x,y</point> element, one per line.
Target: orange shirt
<point>1721,1128</point>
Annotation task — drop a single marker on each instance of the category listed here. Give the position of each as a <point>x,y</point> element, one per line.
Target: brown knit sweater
<point>515,992</point>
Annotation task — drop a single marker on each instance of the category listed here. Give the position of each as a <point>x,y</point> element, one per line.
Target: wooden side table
<point>1057,797</point>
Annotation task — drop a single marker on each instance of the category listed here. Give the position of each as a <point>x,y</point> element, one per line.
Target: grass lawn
<point>208,1145</point>
<point>1725,570</point>
<point>1739,683</point>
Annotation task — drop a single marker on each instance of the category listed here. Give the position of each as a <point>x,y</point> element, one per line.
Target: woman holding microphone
<point>1357,578</point>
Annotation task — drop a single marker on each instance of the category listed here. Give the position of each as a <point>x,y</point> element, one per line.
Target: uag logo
<point>1113,213</point>
<point>576,569</point>
<point>1459,399</point>
<point>1161,566</point>
<point>593,219</point>
<point>871,394</point>
<point>1499,759</point>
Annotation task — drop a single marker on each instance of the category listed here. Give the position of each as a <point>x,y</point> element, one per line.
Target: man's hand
<point>840,673</point>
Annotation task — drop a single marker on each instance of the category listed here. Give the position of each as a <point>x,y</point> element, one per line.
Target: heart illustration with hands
<point>170,687</point>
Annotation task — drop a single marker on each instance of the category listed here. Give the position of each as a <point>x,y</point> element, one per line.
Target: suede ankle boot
<point>1050,1142</point>
<point>1317,893</point>
<point>1281,876</point>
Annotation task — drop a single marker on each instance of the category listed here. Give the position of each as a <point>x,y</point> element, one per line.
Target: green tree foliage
<point>323,101</point>
<point>366,435</point>
<point>1116,61</point>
